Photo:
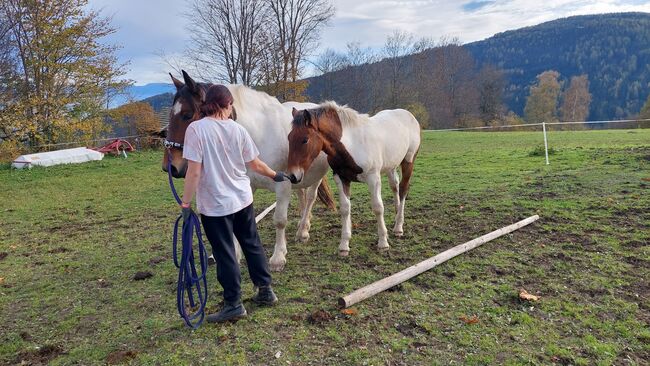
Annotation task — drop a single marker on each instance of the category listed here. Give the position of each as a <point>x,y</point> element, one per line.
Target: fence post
<point>545,141</point>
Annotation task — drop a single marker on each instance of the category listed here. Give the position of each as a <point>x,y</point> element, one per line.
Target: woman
<point>218,151</point>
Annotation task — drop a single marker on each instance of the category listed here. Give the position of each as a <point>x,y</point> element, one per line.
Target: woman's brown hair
<point>217,97</point>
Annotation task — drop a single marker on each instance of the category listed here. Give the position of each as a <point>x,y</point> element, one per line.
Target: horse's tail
<point>325,194</point>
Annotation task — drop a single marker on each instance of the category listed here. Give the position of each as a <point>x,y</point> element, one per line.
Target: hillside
<point>612,49</point>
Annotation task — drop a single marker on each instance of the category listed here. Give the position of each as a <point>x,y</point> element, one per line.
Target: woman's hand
<point>280,176</point>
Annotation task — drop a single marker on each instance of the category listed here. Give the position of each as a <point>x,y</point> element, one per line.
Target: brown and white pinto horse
<point>359,148</point>
<point>265,119</point>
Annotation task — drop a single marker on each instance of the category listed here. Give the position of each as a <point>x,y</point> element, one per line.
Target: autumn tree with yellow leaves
<point>56,72</point>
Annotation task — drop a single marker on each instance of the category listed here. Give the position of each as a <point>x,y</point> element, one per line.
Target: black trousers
<point>220,230</point>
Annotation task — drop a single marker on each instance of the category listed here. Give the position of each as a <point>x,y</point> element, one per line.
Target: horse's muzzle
<point>293,179</point>
<point>176,173</point>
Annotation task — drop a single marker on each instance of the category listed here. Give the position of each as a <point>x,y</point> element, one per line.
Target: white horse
<point>267,122</point>
<point>359,148</point>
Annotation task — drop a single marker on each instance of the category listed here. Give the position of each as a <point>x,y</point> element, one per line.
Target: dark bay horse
<point>266,120</point>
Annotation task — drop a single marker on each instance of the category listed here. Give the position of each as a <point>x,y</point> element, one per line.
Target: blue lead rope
<point>188,277</point>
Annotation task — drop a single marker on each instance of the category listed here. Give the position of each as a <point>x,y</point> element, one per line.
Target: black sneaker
<point>230,311</point>
<point>265,296</point>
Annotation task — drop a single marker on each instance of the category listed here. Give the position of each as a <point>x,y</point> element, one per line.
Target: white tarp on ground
<point>67,156</point>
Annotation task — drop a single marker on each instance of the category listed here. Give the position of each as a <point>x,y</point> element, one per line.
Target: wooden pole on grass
<point>399,277</point>
<point>265,212</point>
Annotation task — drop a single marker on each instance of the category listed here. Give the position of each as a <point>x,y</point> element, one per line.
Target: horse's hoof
<point>344,253</point>
<point>398,233</point>
<point>303,238</point>
<point>211,260</point>
<point>277,266</point>
<point>383,249</point>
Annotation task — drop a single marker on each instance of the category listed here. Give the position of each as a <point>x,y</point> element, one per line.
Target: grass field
<point>72,238</point>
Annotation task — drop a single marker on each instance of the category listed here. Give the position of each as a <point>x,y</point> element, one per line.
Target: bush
<point>10,150</point>
<point>539,151</point>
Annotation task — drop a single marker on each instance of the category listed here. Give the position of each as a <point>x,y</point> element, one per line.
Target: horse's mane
<point>348,116</point>
<point>242,92</point>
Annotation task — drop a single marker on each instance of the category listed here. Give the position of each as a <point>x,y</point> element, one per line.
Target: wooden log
<point>399,277</point>
<point>265,212</point>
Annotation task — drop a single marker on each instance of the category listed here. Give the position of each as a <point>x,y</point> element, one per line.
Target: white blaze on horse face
<point>177,108</point>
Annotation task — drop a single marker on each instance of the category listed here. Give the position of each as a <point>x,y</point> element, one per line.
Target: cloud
<point>149,26</point>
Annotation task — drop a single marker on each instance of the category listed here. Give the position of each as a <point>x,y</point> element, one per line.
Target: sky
<point>147,28</point>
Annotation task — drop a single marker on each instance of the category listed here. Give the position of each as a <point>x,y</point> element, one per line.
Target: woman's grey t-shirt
<point>223,147</point>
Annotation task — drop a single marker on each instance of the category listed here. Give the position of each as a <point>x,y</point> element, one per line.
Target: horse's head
<point>185,109</point>
<point>313,131</point>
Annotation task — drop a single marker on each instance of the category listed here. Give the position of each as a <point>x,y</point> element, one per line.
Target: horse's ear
<point>193,86</point>
<point>294,112</point>
<point>177,83</point>
<point>233,114</point>
<point>189,81</point>
<point>309,121</point>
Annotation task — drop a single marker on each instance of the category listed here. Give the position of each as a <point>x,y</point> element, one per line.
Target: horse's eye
<point>187,116</point>
<point>306,140</point>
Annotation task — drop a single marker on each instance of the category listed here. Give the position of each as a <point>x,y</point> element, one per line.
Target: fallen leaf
<point>2,280</point>
<point>471,320</point>
<point>351,311</point>
<point>278,354</point>
<point>646,179</point>
<point>524,295</point>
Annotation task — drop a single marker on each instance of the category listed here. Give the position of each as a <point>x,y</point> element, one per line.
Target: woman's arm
<point>192,177</point>
<point>260,167</point>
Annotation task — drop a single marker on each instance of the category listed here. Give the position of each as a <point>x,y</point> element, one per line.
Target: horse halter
<point>170,144</point>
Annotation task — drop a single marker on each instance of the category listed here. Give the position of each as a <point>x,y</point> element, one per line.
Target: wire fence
<point>544,128</point>
<point>149,141</point>
<point>138,141</point>
<point>542,124</point>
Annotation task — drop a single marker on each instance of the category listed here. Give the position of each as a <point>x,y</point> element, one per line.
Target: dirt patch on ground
<point>119,357</point>
<point>635,244</point>
<point>3,255</point>
<point>320,316</point>
<point>58,250</point>
<point>42,356</point>
<point>154,261</point>
<point>139,276</point>
<point>410,328</point>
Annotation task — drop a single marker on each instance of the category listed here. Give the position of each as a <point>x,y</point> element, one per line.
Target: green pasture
<point>73,237</point>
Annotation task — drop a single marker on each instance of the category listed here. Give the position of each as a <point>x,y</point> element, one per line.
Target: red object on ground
<point>115,147</point>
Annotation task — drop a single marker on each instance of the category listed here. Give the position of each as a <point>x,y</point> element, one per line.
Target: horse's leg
<point>407,171</point>
<point>283,196</point>
<point>302,198</point>
<point>393,182</point>
<point>346,223</point>
<point>302,234</point>
<point>374,185</point>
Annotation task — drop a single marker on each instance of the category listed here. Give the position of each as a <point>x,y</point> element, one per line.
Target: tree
<point>227,39</point>
<point>293,30</point>
<point>136,118</point>
<point>61,72</point>
<point>645,111</point>
<point>398,45</point>
<point>491,86</point>
<point>327,63</point>
<point>576,100</point>
<point>541,104</point>
<point>449,89</point>
<point>360,80</point>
